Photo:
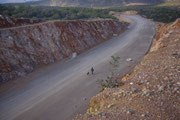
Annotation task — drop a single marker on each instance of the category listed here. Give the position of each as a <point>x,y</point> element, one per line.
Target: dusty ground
<point>119,15</point>
<point>134,4</point>
<point>152,91</point>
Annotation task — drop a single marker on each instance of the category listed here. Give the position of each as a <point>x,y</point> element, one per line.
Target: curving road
<point>58,91</point>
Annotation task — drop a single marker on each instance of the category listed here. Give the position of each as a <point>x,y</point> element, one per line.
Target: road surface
<point>61,90</point>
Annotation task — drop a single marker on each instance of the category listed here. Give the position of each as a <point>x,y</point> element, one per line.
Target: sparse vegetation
<point>115,61</point>
<point>168,4</point>
<point>109,82</point>
<point>167,12</point>
<point>158,13</point>
<point>51,13</point>
<point>161,14</point>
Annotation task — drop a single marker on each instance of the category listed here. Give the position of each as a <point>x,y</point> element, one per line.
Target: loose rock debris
<point>152,91</point>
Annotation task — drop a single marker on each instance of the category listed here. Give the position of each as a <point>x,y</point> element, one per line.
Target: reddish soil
<point>151,91</point>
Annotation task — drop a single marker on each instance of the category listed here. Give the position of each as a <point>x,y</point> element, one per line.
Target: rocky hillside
<point>91,3</point>
<point>6,22</point>
<point>151,91</point>
<point>24,48</point>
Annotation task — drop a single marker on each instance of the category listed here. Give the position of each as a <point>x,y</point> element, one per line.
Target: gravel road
<point>61,90</point>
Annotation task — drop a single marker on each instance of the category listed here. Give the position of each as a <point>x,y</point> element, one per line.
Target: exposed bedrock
<point>22,49</point>
<point>6,22</point>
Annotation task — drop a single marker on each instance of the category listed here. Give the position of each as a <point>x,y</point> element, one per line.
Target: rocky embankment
<point>151,91</point>
<point>6,22</point>
<point>24,48</point>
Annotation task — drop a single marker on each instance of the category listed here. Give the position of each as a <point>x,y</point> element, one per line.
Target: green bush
<point>109,82</point>
<point>115,61</point>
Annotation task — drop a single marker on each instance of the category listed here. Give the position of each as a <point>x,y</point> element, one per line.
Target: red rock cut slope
<point>24,48</point>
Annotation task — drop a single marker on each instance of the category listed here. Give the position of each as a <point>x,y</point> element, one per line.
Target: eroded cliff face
<point>22,49</point>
